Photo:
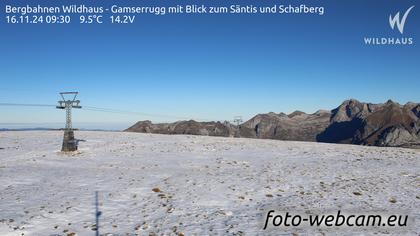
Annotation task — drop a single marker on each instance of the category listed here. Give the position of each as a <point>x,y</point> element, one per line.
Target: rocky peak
<point>348,110</point>
<point>296,113</point>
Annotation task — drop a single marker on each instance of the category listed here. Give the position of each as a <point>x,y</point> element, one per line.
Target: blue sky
<point>210,67</point>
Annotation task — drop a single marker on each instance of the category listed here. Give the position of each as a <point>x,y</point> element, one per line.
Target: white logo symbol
<point>400,22</point>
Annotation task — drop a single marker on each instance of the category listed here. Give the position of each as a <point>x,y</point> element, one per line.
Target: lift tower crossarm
<point>68,104</point>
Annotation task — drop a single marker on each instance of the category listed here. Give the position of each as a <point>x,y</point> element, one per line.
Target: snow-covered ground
<point>193,185</point>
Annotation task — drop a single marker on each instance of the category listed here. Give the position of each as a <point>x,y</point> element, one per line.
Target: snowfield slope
<point>194,185</point>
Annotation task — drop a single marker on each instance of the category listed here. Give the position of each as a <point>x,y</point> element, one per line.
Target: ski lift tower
<point>69,101</point>
<point>237,120</point>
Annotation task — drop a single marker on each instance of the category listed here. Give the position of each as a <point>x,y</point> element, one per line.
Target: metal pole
<point>97,213</point>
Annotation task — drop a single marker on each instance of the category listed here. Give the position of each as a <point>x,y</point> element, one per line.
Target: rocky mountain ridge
<point>353,122</point>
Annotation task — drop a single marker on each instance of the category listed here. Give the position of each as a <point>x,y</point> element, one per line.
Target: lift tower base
<point>69,142</point>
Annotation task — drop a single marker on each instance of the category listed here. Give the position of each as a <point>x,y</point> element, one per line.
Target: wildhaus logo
<point>398,21</point>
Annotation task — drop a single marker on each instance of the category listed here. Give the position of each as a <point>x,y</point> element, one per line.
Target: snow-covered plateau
<point>195,185</point>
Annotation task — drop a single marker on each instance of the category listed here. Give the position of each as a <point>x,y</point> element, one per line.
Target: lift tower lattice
<point>69,143</point>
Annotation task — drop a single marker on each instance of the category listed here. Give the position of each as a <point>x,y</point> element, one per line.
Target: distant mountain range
<point>49,129</point>
<point>26,129</point>
<point>353,122</point>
